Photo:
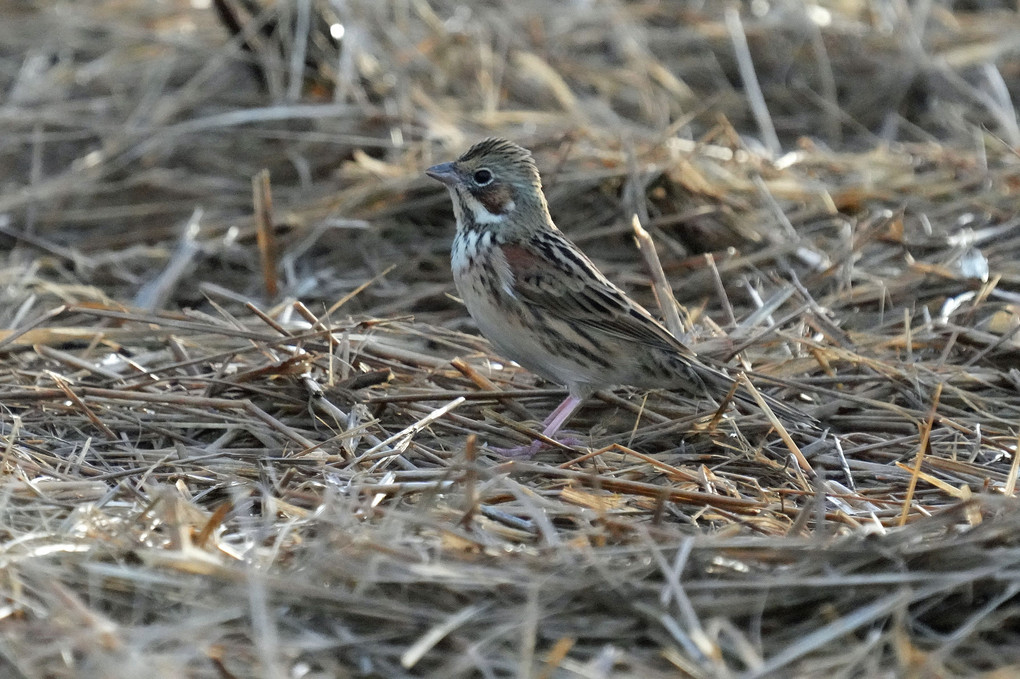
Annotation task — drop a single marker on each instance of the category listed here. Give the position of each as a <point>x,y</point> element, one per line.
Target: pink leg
<point>552,424</point>
<point>558,417</point>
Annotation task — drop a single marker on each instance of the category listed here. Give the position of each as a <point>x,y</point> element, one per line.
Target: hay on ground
<point>245,420</point>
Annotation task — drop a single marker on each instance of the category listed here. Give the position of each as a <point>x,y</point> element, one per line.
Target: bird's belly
<point>520,335</point>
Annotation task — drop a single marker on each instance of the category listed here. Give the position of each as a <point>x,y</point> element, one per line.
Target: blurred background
<point>130,133</point>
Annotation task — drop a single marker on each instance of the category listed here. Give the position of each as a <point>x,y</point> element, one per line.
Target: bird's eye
<point>482,177</point>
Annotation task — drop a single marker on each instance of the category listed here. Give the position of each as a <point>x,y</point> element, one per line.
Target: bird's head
<point>495,184</point>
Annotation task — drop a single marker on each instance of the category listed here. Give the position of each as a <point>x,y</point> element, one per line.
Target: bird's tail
<point>718,382</point>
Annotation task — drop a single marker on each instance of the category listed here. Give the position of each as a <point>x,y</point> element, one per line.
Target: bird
<point>541,302</point>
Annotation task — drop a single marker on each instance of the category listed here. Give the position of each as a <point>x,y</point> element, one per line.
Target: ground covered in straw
<point>244,421</point>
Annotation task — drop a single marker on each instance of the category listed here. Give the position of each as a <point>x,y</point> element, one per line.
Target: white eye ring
<point>482,176</point>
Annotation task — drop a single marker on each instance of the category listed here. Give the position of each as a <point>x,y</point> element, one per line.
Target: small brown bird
<point>540,301</point>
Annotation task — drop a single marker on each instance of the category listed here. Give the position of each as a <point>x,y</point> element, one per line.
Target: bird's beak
<point>445,172</point>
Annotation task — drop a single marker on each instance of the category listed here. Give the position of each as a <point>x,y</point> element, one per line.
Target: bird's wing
<point>552,275</point>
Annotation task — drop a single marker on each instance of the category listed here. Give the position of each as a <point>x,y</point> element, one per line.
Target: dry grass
<point>202,477</point>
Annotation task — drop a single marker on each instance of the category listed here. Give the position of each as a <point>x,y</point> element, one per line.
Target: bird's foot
<point>519,452</point>
<point>529,451</point>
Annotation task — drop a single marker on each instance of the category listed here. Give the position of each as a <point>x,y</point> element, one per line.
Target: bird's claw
<point>519,452</point>
<point>529,451</point>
